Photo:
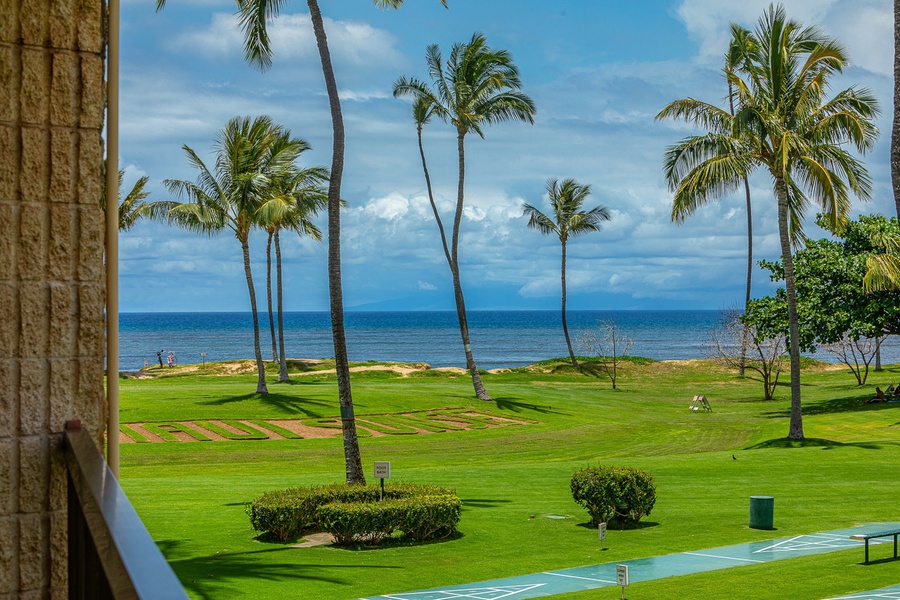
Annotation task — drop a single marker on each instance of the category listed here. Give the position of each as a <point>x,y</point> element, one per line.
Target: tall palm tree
<point>294,200</point>
<point>478,86</point>
<point>254,16</point>
<point>786,125</point>
<point>566,221</point>
<point>741,41</point>
<point>249,158</point>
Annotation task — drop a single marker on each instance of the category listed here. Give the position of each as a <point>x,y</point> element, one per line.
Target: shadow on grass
<point>213,576</point>
<point>817,443</point>
<point>614,527</point>
<point>282,402</point>
<point>519,407</point>
<point>481,503</point>
<point>833,406</point>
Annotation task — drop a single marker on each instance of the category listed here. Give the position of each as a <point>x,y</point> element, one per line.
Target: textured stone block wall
<point>52,289</point>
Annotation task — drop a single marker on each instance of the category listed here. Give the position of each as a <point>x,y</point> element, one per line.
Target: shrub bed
<point>354,514</point>
<point>613,495</point>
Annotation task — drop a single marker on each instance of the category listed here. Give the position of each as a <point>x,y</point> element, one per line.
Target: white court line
<point>724,557</point>
<point>486,593</point>
<point>577,577</point>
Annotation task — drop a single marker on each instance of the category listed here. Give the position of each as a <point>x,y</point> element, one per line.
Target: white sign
<point>622,575</point>
<point>601,532</point>
<point>382,470</point>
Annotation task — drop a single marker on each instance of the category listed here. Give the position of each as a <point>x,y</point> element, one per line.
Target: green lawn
<point>192,495</point>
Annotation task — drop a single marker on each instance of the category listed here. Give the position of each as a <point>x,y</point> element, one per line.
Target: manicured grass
<point>192,495</point>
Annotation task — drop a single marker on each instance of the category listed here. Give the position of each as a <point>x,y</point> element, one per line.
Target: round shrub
<point>619,496</point>
<point>353,514</point>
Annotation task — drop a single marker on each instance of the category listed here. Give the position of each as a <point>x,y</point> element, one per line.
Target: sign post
<point>622,577</point>
<point>382,472</point>
<point>203,358</point>
<point>601,534</point>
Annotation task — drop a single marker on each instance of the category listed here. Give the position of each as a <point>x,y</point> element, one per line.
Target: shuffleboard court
<point>548,583</point>
<point>888,593</point>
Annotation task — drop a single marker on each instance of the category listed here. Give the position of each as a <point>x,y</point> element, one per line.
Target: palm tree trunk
<point>480,392</point>
<point>352,458</point>
<point>283,376</point>
<point>269,294</point>
<point>895,130</point>
<point>437,215</point>
<point>564,323</point>
<point>260,366</point>
<point>746,333</point>
<point>796,428</point>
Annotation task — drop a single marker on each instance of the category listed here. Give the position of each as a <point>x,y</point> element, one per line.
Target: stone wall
<point>52,290</point>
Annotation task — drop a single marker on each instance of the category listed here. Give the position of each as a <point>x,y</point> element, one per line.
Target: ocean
<point>499,338</point>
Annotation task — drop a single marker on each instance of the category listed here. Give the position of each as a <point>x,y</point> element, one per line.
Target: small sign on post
<point>382,472</point>
<point>622,578</point>
<point>601,534</point>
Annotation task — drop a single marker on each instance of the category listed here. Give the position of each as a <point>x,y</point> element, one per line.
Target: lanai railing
<point>111,554</point>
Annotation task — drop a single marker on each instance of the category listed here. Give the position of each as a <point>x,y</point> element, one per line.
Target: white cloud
<point>426,286</point>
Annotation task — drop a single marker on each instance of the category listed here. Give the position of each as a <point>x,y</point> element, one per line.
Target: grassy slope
<point>841,476</point>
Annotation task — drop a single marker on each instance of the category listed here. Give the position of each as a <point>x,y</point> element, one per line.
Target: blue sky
<point>598,71</point>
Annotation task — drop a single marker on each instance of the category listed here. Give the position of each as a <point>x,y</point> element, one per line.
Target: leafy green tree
<point>478,86</point>
<point>567,220</point>
<point>834,309</point>
<point>250,155</point>
<point>784,124</point>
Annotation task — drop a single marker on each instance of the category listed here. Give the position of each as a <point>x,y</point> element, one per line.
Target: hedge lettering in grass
<point>355,515</point>
<point>618,496</point>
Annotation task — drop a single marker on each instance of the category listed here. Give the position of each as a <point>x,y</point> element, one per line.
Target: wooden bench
<point>878,534</point>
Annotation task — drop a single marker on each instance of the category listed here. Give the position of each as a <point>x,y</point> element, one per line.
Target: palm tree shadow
<point>833,406</point>
<point>285,403</point>
<point>214,576</point>
<point>818,443</point>
<point>519,407</point>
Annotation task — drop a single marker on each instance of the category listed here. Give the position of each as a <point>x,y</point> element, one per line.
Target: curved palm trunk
<point>796,428</point>
<point>564,323</point>
<point>269,294</point>
<point>437,215</point>
<point>480,392</point>
<point>283,376</point>
<point>354,471</point>
<point>260,366</point>
<point>895,131</point>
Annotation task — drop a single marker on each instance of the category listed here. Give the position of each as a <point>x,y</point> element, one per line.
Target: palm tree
<point>567,220</point>
<point>253,16</point>
<point>784,124</point>
<point>132,207</point>
<point>895,126</point>
<point>741,41</point>
<point>478,86</point>
<point>295,200</point>
<point>249,157</point>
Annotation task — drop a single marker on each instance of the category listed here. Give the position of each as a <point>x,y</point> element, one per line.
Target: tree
<point>835,311</point>
<point>567,220</point>
<point>784,124</point>
<point>250,155</point>
<point>895,126</point>
<point>609,344</point>
<point>478,86</point>
<point>295,199</point>
<point>739,343</point>
<point>132,207</point>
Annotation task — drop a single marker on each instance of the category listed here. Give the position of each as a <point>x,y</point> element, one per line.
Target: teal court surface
<point>891,593</point>
<point>645,569</point>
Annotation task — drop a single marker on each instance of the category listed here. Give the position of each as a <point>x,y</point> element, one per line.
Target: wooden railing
<point>111,555</point>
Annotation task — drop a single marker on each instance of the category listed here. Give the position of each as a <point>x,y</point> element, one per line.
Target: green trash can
<point>762,511</point>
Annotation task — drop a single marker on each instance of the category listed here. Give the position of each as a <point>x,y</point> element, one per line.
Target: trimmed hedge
<point>354,514</point>
<point>618,496</point>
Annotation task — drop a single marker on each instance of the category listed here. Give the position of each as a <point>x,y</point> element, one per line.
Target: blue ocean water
<point>499,338</point>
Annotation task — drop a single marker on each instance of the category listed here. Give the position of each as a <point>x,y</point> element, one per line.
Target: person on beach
<point>171,358</point>
<point>159,356</point>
